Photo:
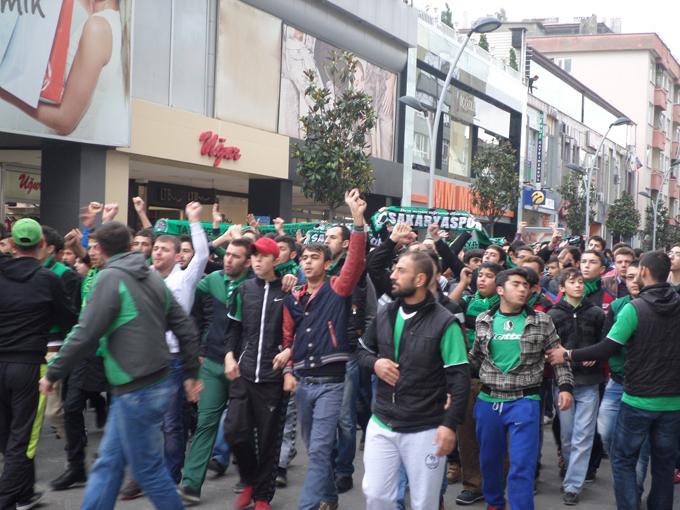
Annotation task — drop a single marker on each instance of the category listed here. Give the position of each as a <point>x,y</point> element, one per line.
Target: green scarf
<point>592,286</point>
<point>88,284</point>
<point>476,306</point>
<point>532,300</point>
<point>285,268</point>
<point>233,305</point>
<point>330,270</point>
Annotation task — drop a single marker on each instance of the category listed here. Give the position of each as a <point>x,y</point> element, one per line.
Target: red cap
<point>266,246</point>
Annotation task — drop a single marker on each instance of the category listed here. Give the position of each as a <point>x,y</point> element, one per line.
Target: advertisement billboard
<point>65,70</point>
<point>300,52</point>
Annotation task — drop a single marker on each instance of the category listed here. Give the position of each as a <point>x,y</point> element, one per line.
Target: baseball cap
<point>26,233</point>
<point>266,246</point>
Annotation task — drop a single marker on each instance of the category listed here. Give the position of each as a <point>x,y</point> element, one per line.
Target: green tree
<point>512,60</point>
<point>447,16</point>
<point>572,192</point>
<point>483,42</point>
<point>664,231</point>
<point>334,155</point>
<point>495,189</point>
<point>623,218</point>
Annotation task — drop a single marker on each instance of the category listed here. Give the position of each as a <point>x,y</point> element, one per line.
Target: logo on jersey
<point>508,325</point>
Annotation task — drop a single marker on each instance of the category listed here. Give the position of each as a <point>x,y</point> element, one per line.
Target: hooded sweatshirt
<point>32,300</point>
<point>125,320</point>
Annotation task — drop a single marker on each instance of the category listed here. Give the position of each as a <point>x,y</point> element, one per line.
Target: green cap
<point>26,232</point>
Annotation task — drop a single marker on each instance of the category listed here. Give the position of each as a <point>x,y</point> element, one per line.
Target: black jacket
<point>32,300</point>
<point>577,328</point>
<point>257,338</point>
<point>417,401</point>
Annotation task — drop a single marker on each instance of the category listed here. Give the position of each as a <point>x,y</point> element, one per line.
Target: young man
<point>674,276</point>
<point>186,250</point>
<point>143,243</point>
<point>550,282</point>
<point>316,316</point>
<point>569,256</point>
<point>417,350</point>
<point>650,405</point>
<point>616,284</point>
<point>484,299</point>
<point>495,254</point>
<point>256,397</point>
<point>129,309</point>
<point>597,243</point>
<point>285,262</point>
<point>592,267</point>
<point>508,351</point>
<point>578,324</point>
<point>32,300</point>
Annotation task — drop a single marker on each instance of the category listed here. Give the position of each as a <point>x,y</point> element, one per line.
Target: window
<point>564,63</point>
<point>650,114</point>
<point>459,149</point>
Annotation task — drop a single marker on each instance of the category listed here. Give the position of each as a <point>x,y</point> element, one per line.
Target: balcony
<point>676,113</point>
<point>659,139</point>
<point>656,180</point>
<point>660,98</point>
<point>674,150</point>
<point>673,190</point>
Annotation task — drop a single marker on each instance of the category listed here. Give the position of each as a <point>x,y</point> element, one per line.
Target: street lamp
<point>587,172</point>
<point>481,26</point>
<point>655,202</point>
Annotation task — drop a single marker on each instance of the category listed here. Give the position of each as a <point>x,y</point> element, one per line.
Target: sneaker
<point>469,497</point>
<point>590,476</point>
<point>344,484</point>
<point>132,490</point>
<point>32,502</point>
<point>244,499</point>
<point>547,420</point>
<point>570,498</point>
<point>217,467</point>
<point>281,477</point>
<point>71,478</point>
<point>262,505</point>
<point>328,505</point>
<point>676,476</point>
<point>491,507</point>
<point>188,495</point>
<point>453,473</point>
<point>240,487</point>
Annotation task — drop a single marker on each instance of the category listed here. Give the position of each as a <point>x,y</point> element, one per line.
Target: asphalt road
<point>218,492</point>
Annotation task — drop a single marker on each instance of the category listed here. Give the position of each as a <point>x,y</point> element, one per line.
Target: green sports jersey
<point>617,361</point>
<point>622,331</point>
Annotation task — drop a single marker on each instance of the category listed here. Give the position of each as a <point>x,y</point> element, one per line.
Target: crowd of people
<point>452,361</point>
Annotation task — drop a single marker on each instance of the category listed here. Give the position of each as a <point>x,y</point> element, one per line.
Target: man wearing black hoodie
<point>650,406</point>
<point>32,300</point>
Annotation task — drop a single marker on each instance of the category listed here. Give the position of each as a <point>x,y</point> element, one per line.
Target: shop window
<point>459,149</point>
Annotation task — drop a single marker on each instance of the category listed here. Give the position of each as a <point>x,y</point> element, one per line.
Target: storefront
<point>19,193</point>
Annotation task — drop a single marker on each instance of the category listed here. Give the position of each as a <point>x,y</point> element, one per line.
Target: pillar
<point>270,197</point>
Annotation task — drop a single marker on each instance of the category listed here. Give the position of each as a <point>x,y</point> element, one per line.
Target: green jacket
<point>128,311</point>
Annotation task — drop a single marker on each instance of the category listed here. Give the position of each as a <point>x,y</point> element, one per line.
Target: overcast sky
<point>660,16</point>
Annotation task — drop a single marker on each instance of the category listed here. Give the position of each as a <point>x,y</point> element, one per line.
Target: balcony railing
<point>673,190</point>
<point>676,113</point>
<point>659,139</point>
<point>656,180</point>
<point>660,98</point>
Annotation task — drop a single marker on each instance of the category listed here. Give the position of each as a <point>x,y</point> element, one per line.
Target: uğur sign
<point>213,146</point>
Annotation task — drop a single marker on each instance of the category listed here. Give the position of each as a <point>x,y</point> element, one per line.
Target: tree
<point>483,43</point>
<point>334,155</point>
<point>446,16</point>
<point>623,218</point>
<point>512,60</point>
<point>573,193</point>
<point>664,231</point>
<point>495,189</point>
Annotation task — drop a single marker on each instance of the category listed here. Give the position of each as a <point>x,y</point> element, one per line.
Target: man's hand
<point>356,205</point>
<point>465,277</point>
<point>433,230</point>
<point>88,214</point>
<point>46,387</point>
<point>231,368</point>
<point>216,215</point>
<point>288,282</point>
<point>235,232</point>
<point>565,400</point>
<point>193,212</point>
<point>555,356</point>
<point>289,383</point>
<point>110,212</point>
<point>400,233</point>
<point>278,226</point>
<point>520,228</point>
<point>445,441</point>
<point>252,220</point>
<point>281,359</point>
<point>193,388</point>
<point>387,370</point>
<point>299,238</point>
<point>139,205</point>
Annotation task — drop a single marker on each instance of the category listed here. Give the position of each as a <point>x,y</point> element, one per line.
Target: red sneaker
<point>262,505</point>
<point>676,477</point>
<point>244,499</point>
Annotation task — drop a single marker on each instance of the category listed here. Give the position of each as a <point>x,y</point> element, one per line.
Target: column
<point>270,197</point>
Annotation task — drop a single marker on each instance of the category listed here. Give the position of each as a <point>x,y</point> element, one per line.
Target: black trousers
<point>75,403</point>
<point>253,428</point>
<point>19,415</point>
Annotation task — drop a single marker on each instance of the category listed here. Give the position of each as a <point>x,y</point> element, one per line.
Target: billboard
<point>301,51</point>
<point>65,70</point>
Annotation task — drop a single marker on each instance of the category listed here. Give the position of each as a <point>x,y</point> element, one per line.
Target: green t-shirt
<point>621,332</point>
<point>452,347</point>
<point>618,360</point>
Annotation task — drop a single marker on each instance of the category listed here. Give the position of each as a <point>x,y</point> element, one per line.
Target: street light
<point>481,26</point>
<point>655,202</point>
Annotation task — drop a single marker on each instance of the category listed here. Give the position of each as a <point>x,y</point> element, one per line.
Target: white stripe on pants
<point>384,453</point>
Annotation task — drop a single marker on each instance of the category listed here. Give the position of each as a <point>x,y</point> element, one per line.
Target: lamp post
<point>587,172</point>
<point>655,201</point>
<point>481,26</point>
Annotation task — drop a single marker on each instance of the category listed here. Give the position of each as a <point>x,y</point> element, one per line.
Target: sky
<point>660,16</point>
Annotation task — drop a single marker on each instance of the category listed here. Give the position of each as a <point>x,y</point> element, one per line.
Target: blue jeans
<point>173,422</point>
<point>221,451</point>
<point>577,430</point>
<point>633,426</point>
<point>498,424</point>
<point>347,423</point>
<point>133,436</point>
<point>318,407</point>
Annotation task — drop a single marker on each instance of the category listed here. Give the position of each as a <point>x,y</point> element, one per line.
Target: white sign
<point>21,186</point>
